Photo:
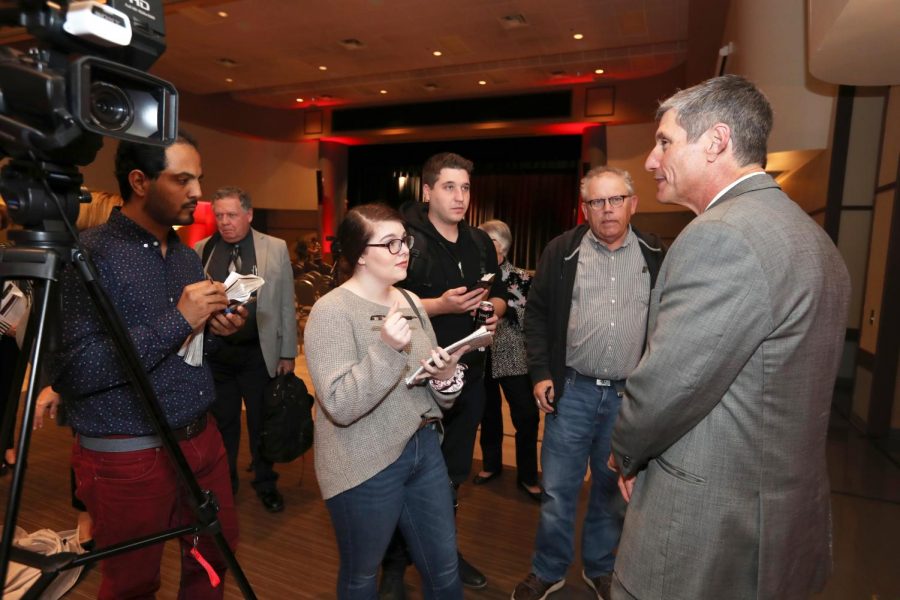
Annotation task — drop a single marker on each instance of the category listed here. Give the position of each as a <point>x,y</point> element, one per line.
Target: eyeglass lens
<point>598,203</point>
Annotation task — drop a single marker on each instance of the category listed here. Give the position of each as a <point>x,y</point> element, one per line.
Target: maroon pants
<point>132,494</point>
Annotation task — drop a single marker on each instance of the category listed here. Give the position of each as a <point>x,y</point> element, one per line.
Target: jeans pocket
<point>680,473</point>
<point>126,466</point>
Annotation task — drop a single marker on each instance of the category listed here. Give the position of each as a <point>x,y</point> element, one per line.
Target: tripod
<point>40,257</point>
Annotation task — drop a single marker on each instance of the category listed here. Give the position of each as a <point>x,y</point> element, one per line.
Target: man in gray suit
<point>720,440</point>
<point>265,347</point>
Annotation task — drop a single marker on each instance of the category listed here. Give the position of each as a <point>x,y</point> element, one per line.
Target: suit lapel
<point>261,249</point>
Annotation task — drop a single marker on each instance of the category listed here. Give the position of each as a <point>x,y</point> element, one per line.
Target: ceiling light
<point>323,68</point>
<point>578,36</point>
<point>599,71</point>
<point>382,92</point>
<point>482,82</point>
<point>438,53</point>
<point>222,14</point>
<point>229,79</point>
<point>430,87</point>
<point>299,99</point>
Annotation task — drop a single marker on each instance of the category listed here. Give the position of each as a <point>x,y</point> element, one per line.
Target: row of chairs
<point>308,288</point>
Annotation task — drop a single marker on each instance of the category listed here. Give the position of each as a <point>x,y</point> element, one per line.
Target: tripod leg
<point>33,340</point>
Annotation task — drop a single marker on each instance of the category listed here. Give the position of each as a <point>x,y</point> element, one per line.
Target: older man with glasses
<point>585,328</point>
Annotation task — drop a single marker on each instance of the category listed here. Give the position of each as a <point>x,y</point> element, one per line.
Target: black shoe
<point>536,496</point>
<point>481,479</point>
<point>272,500</point>
<point>470,576</point>
<point>391,586</point>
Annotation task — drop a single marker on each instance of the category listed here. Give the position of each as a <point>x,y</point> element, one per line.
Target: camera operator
<point>123,475</point>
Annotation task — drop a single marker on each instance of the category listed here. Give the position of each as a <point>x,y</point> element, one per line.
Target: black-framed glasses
<point>614,201</point>
<point>394,246</point>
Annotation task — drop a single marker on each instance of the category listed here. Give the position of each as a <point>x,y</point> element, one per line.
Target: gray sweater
<point>367,413</point>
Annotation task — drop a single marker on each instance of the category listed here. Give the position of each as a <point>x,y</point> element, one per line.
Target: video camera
<point>84,79</point>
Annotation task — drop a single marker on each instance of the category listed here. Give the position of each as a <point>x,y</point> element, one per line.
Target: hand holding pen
<point>200,300</point>
<point>396,332</point>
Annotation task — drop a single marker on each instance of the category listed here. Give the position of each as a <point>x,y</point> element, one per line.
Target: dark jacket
<point>550,300</point>
<point>434,267</point>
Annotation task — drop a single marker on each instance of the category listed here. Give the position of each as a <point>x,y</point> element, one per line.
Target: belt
<point>141,442</point>
<point>429,422</point>
<point>573,374</point>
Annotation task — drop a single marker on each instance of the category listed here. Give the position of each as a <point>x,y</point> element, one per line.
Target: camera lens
<point>111,108</point>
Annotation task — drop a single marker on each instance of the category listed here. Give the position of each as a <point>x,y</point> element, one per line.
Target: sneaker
<point>470,576</point>
<point>533,588</point>
<point>600,584</point>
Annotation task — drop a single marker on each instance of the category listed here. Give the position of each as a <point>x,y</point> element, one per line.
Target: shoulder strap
<point>208,248</point>
<point>482,251</point>
<point>412,305</point>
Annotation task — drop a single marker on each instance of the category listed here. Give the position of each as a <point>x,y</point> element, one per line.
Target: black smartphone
<point>484,283</point>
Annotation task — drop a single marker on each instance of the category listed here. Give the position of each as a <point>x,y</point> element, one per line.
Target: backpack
<point>287,422</point>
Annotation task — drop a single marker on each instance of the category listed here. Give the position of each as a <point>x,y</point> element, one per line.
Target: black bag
<point>287,423</point>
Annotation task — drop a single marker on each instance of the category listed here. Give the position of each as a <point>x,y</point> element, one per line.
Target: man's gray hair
<point>498,230</point>
<point>728,99</point>
<point>598,171</point>
<point>232,191</point>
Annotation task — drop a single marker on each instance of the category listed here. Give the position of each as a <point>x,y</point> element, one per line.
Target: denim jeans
<point>413,493</point>
<point>580,432</point>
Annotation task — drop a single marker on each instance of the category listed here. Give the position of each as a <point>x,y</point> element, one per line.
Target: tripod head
<point>82,80</point>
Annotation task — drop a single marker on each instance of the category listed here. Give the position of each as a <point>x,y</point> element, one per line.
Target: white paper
<point>238,288</point>
<point>479,338</point>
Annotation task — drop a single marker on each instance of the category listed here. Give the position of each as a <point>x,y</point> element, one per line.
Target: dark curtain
<point>536,206</point>
<point>529,183</point>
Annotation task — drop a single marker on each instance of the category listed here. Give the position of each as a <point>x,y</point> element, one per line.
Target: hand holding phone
<point>484,283</point>
<point>233,305</point>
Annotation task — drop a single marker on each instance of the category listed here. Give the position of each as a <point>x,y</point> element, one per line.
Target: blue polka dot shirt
<point>145,287</point>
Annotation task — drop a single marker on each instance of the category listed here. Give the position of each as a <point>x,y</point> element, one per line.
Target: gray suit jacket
<point>276,316</point>
<point>725,419</point>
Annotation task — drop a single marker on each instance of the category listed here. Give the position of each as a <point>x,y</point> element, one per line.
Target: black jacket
<point>550,300</point>
<point>435,266</point>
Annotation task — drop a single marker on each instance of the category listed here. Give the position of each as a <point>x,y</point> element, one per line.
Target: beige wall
<point>278,175</point>
<point>770,49</point>
<point>627,147</point>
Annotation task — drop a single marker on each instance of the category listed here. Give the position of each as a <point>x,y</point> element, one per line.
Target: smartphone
<point>484,283</point>
<point>232,308</point>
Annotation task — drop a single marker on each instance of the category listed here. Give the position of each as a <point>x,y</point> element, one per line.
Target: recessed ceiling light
<point>323,68</point>
<point>299,99</point>
<point>482,82</point>
<point>222,14</point>
<point>438,53</point>
<point>599,71</point>
<point>229,79</point>
<point>578,36</point>
<point>382,92</point>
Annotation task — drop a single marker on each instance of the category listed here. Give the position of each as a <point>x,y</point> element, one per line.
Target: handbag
<point>287,421</point>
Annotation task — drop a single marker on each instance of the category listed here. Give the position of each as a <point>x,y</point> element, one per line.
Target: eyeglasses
<point>614,201</point>
<point>394,246</point>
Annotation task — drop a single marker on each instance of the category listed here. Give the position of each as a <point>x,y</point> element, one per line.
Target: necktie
<point>234,263</point>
